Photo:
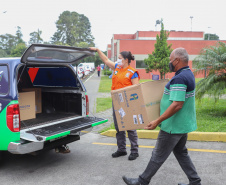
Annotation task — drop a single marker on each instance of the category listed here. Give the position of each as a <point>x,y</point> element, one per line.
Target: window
<point>4,79</point>
<point>54,77</point>
<point>140,64</point>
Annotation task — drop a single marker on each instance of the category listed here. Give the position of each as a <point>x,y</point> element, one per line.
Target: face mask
<point>119,62</point>
<point>171,67</point>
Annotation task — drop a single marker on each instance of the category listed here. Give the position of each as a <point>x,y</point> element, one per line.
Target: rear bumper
<point>24,148</point>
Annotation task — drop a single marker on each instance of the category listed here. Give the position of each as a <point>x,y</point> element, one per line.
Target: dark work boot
<point>118,154</point>
<point>133,156</point>
<point>131,181</point>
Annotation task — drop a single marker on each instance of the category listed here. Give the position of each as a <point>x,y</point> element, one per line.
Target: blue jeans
<point>166,143</point>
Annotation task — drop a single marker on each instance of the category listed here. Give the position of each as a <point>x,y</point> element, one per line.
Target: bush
<point>107,72</point>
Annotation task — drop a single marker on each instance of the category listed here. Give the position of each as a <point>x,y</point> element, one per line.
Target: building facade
<point>142,43</point>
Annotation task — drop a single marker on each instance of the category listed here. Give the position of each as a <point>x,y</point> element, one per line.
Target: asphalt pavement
<point>90,161</point>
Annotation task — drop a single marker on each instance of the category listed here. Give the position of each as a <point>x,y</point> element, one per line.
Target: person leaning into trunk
<point>124,75</point>
<point>178,117</point>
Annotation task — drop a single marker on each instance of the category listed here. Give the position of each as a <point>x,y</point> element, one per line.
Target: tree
<point>3,53</point>
<point>18,50</point>
<point>72,29</point>
<point>35,37</point>
<point>209,36</point>
<point>19,35</point>
<point>7,42</point>
<point>159,59</point>
<point>212,59</point>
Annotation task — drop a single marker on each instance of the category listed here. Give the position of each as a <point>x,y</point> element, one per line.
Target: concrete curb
<point>193,136</point>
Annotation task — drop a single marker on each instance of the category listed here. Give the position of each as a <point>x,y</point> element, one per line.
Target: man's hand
<point>152,125</point>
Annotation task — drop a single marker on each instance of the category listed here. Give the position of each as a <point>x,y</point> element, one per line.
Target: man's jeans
<point>166,143</point>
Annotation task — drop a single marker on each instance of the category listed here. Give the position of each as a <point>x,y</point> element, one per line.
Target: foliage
<point>103,104</point>
<point>105,84</point>
<point>159,59</point>
<point>73,29</point>
<point>19,36</point>
<point>12,45</point>
<point>3,53</point>
<point>209,36</point>
<point>107,72</point>
<point>7,42</point>
<point>212,60</point>
<point>35,37</point>
<point>18,50</point>
<point>211,116</point>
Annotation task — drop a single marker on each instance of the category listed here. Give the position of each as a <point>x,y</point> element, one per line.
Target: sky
<point>108,17</point>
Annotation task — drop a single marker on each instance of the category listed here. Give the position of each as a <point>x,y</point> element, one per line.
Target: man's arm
<point>172,109</point>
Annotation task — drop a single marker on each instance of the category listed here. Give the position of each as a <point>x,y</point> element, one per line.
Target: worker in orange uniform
<point>124,75</point>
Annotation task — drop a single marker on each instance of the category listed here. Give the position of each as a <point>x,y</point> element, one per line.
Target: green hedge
<point>107,72</point>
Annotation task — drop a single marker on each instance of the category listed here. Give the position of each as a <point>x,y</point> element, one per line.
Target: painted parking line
<point>190,149</point>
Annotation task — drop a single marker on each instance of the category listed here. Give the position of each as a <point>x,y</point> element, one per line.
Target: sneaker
<point>133,156</point>
<point>118,154</point>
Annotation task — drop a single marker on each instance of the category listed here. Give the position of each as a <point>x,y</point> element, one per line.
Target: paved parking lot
<point>90,163</point>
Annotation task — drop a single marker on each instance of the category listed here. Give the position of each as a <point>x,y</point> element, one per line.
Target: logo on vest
<point>127,75</point>
<point>116,72</point>
<point>133,96</point>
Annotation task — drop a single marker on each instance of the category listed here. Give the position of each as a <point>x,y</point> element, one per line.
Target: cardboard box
<point>135,106</point>
<point>27,105</point>
<point>38,98</point>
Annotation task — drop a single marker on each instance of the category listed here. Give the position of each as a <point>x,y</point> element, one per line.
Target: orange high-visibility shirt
<point>122,77</point>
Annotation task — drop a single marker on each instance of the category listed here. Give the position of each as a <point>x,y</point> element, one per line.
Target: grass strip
<point>103,104</point>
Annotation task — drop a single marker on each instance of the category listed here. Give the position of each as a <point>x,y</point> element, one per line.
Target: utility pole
<point>191,21</point>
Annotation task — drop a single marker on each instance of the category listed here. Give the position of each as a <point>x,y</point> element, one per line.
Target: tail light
<point>87,105</point>
<point>13,117</point>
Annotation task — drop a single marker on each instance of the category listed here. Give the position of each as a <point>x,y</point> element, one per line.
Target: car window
<point>53,77</point>
<point>4,79</point>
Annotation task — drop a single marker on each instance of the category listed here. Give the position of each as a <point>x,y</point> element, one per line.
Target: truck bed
<point>45,118</point>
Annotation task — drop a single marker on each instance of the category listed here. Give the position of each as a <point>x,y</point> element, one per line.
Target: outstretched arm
<point>104,58</point>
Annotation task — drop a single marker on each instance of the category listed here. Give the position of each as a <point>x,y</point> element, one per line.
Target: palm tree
<point>212,60</point>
